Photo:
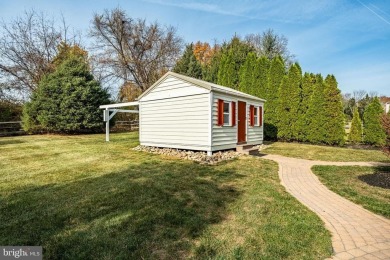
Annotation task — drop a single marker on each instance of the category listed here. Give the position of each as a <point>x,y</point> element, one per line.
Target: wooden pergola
<point>110,111</point>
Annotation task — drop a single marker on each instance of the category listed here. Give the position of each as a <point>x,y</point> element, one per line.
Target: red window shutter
<point>260,116</point>
<point>233,113</point>
<point>252,115</point>
<point>220,112</point>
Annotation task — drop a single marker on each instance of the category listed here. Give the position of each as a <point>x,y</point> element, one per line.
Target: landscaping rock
<point>197,156</point>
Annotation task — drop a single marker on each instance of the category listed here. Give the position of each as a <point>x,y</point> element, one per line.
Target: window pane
<point>226,107</point>
<point>255,112</point>
<point>226,119</point>
<point>255,118</point>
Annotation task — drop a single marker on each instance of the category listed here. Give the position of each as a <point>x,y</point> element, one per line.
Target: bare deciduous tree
<point>358,95</point>
<point>27,47</point>
<point>131,50</point>
<point>270,45</point>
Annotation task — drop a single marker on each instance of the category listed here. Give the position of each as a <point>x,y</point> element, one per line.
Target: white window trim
<point>256,116</point>
<point>230,113</point>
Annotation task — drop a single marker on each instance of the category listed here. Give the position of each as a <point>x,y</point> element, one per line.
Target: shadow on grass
<point>10,141</point>
<point>380,178</point>
<point>151,210</point>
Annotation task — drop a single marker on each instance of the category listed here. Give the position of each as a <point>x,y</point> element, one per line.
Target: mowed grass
<point>82,198</point>
<point>326,153</point>
<point>350,182</point>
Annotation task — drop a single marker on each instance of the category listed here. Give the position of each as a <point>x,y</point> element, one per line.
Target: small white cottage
<point>186,113</point>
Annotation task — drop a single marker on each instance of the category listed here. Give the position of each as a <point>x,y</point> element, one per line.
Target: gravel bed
<point>197,156</point>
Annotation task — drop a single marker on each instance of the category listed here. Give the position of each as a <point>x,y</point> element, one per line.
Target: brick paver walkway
<point>356,232</point>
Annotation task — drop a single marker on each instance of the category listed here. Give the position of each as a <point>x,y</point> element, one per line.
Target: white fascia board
<point>119,105</point>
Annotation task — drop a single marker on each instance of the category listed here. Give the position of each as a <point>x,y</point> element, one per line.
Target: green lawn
<point>82,198</point>
<point>350,182</point>
<point>326,153</point>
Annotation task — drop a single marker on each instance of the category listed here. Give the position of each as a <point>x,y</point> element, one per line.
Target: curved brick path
<point>356,232</point>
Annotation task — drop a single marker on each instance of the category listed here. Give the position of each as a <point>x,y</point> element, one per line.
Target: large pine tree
<point>374,134</point>
<point>288,104</point>
<point>275,76</point>
<point>188,64</point>
<point>66,101</point>
<point>333,109</point>
<point>356,131</point>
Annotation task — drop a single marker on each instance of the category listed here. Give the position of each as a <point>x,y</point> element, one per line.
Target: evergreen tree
<point>307,87</point>
<point>315,116</point>
<point>182,64</point>
<point>210,71</point>
<point>194,68</point>
<point>333,109</point>
<point>261,77</point>
<point>374,134</point>
<point>233,57</point>
<point>66,101</point>
<point>227,74</point>
<point>247,74</point>
<point>188,64</point>
<point>275,76</point>
<point>356,131</point>
<point>288,104</point>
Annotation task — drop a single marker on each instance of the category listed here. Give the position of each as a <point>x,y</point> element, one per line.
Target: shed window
<point>255,116</point>
<point>226,113</point>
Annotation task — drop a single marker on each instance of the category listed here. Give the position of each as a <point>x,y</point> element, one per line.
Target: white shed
<point>187,113</point>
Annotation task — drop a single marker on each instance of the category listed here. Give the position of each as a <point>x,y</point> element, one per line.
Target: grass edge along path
<point>350,182</point>
<point>325,153</point>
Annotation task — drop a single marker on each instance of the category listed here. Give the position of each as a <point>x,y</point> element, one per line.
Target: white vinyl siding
<point>172,87</point>
<point>254,133</point>
<point>225,137</point>
<point>176,114</point>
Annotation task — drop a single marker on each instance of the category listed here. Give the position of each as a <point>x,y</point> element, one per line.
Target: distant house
<point>385,101</point>
<point>187,113</point>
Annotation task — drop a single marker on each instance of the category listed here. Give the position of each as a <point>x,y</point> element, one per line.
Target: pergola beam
<point>127,104</point>
<point>111,108</point>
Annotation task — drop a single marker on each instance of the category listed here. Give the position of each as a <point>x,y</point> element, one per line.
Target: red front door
<point>241,125</point>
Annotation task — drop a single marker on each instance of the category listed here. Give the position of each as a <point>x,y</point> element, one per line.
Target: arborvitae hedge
<point>307,87</point>
<point>261,72</point>
<point>275,77</point>
<point>247,74</point>
<point>374,134</point>
<point>333,109</point>
<point>227,73</point>
<point>288,104</point>
<point>315,116</point>
<point>356,131</point>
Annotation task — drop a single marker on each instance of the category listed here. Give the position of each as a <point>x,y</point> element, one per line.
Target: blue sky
<point>348,38</point>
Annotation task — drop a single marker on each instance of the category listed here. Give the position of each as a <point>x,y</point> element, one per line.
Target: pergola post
<point>113,108</point>
<point>107,117</point>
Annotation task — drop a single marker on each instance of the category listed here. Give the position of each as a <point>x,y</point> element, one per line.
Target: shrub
<point>355,135</point>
